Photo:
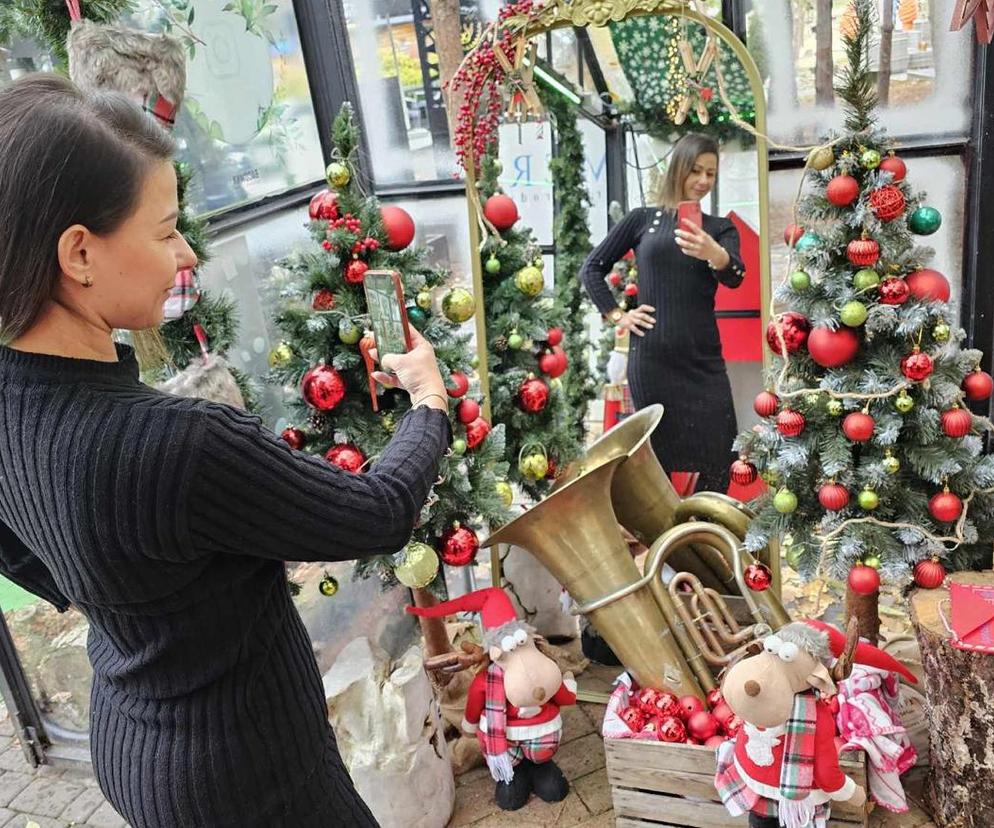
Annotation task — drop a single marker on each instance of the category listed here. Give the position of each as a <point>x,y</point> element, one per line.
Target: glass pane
<point>20,57</point>
<point>247,127</point>
<point>525,152</point>
<point>929,81</point>
<point>595,153</point>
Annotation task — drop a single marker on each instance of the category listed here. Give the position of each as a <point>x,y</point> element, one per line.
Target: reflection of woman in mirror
<point>675,353</point>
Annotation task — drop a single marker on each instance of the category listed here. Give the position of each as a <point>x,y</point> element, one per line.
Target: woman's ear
<point>75,258</point>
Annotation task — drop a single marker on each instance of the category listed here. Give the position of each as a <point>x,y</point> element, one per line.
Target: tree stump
<point>959,690</point>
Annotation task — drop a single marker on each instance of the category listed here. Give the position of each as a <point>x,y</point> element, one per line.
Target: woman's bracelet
<point>429,396</point>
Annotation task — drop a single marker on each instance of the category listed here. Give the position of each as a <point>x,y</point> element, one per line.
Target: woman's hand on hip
<point>694,241</point>
<point>639,320</point>
<point>416,371</point>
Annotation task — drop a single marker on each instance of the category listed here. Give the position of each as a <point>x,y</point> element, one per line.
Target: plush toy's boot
<point>757,821</point>
<point>548,782</point>
<point>514,794</point>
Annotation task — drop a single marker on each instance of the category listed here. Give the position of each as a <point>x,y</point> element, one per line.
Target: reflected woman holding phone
<point>675,354</point>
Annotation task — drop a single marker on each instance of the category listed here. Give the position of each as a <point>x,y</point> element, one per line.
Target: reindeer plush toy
<point>513,705</point>
<point>783,766</point>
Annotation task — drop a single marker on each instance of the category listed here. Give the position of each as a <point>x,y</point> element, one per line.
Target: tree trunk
<point>886,49</point>
<point>433,629</point>
<point>864,608</point>
<point>824,63</point>
<point>959,688</point>
<point>795,41</point>
<point>447,28</point>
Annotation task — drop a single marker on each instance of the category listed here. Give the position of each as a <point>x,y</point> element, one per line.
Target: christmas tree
<point>875,463</point>
<point>526,336</point>
<point>321,362</point>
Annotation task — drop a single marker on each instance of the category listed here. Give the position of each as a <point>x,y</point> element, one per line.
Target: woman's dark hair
<point>66,157</point>
<point>685,153</point>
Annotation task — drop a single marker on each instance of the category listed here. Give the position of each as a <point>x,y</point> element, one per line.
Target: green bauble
<point>870,159</point>
<point>793,556</point>
<point>904,402</point>
<point>337,174</point>
<point>868,499</point>
<point>515,341</point>
<point>853,314</point>
<point>539,263</point>
<point>807,241</point>
<point>799,280</point>
<point>493,266</point>
<point>505,492</point>
<point>821,158</point>
<point>418,565</point>
<point>534,466</point>
<point>348,332</point>
<point>459,447</point>
<point>785,501</point>
<point>328,585</point>
<point>529,280</point>
<point>865,279</point>
<point>474,362</point>
<point>556,384</point>
<point>498,166</point>
<point>424,299</point>
<point>835,407</point>
<point>872,561</point>
<point>941,332</point>
<point>418,317</point>
<point>458,305</point>
<point>812,400</point>
<point>891,464</point>
<point>388,422</point>
<point>925,221</point>
<point>280,355</point>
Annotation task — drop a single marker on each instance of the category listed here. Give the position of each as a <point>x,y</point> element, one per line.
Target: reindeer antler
<point>843,667</point>
<point>472,655</point>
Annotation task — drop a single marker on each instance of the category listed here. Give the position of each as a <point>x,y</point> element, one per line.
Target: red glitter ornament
<point>294,438</point>
<point>533,395</point>
<point>833,497</point>
<point>634,718</point>
<point>917,365</point>
<point>324,206</point>
<point>863,252</point>
<point>757,577</point>
<point>945,506</point>
<point>887,203</point>
<point>858,426</point>
<point>790,423</point>
<point>324,300</point>
<point>646,700</point>
<point>323,388</point>
<point>631,289</point>
<point>346,456</point>
<point>743,472</point>
<point>459,545</point>
<point>978,385</point>
<point>614,279</point>
<point>714,697</point>
<point>355,271</point>
<point>766,404</point>
<point>476,432</point>
<point>842,190</point>
<point>929,574</point>
<point>671,729</point>
<point>795,328</point>
<point>894,291</point>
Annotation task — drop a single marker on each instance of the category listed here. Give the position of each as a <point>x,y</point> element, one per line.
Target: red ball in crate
<point>722,712</point>
<point>646,700</point>
<point>703,726</point>
<point>665,705</point>
<point>714,742</point>
<point>634,718</point>
<point>689,705</point>
<point>671,729</point>
<point>714,698</point>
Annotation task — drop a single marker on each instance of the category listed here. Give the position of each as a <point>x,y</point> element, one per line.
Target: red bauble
<point>978,385</point>
<point>323,387</point>
<point>563,360</point>
<point>945,507</point>
<point>929,574</point>
<point>864,580</point>
<point>324,300</point>
<point>893,291</point>
<point>323,206</point>
<point>476,432</point>
<point>842,190</point>
<point>703,726</point>
<point>743,472</point>
<point>714,698</point>
<point>830,349</point>
<point>666,704</point>
<point>887,203</point>
<point>501,211</point>
<point>833,497</point>
<point>757,577</point>
<point>863,252</point>
<point>956,422</point>
<point>671,729</point>
<point>533,395</point>
<point>551,363</point>
<point>689,705</point>
<point>928,285</point>
<point>467,411</point>
<point>791,233</point>
<point>858,426</point>
<point>398,226</point>
<point>294,438</point>
<point>733,726</point>
<point>614,279</point>
<point>346,456</point>
<point>917,366</point>
<point>631,289</point>
<point>715,742</point>
<point>895,166</point>
<point>722,712</point>
<point>459,545</point>
<point>795,328</point>
<point>790,423</point>
<point>646,700</point>
<point>634,718</point>
<point>766,404</point>
<point>554,336</point>
<point>460,385</point>
<point>355,271</point>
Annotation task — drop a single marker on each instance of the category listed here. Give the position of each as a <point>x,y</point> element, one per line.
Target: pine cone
<point>318,421</point>
<point>500,344</point>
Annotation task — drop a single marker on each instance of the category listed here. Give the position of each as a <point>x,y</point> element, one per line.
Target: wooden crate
<point>656,784</point>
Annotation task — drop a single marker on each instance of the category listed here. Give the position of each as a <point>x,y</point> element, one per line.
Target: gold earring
<point>88,282</point>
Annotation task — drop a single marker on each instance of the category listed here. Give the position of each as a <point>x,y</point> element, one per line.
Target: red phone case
<point>689,210</point>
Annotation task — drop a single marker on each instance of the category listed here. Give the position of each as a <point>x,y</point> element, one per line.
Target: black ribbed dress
<point>678,363</point>
<point>166,522</point>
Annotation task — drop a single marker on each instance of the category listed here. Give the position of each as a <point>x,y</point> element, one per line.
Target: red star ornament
<point>982,12</point>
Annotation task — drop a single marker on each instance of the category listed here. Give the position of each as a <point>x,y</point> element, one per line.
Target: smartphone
<point>689,210</point>
<point>387,313</point>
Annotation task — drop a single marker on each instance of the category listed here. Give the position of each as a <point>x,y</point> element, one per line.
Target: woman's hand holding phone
<point>416,372</point>
<point>693,241</point>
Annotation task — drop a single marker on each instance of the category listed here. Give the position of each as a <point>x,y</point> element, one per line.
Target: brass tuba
<point>575,533</point>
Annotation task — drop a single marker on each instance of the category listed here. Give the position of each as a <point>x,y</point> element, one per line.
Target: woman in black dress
<point>675,356</point>
<point>166,521</point>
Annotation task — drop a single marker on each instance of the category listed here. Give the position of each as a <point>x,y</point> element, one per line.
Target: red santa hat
<point>501,627</point>
<point>866,654</point>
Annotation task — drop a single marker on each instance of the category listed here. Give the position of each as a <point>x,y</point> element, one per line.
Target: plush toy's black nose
<point>752,688</point>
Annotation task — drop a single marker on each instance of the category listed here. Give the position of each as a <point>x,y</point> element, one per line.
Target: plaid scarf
<point>797,773</point>
<point>495,748</point>
<point>184,295</point>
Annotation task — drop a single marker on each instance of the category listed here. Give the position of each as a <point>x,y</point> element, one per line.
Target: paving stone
<point>25,820</point>
<point>575,723</point>
<point>105,817</point>
<point>473,803</point>
<point>82,806</point>
<point>12,759</point>
<point>11,784</point>
<point>539,814</point>
<point>580,757</point>
<point>48,797</point>
<point>601,821</point>
<point>595,792</point>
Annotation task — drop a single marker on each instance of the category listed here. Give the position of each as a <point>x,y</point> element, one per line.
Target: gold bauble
<point>328,586</point>
<point>821,158</point>
<point>458,305</point>
<point>423,299</point>
<point>418,566</point>
<point>505,492</point>
<point>941,332</point>
<point>337,174</point>
<point>280,355</point>
<point>389,423</point>
<point>529,280</point>
<point>534,466</point>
